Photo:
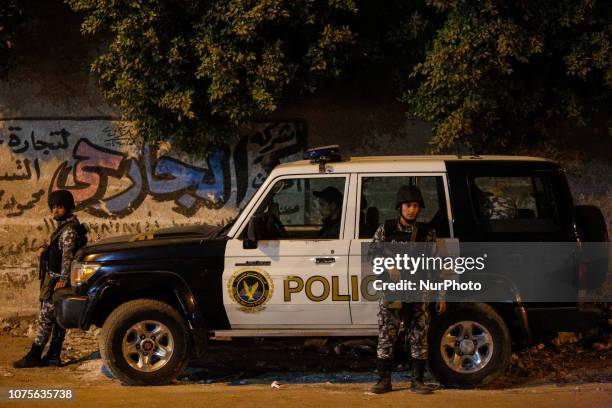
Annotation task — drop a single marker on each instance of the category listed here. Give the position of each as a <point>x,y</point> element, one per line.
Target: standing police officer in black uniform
<point>415,316</point>
<point>55,260</point>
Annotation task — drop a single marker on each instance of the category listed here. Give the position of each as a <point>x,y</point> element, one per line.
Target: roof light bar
<point>324,154</point>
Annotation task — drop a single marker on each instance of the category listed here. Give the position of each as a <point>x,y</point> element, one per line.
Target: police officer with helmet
<point>55,260</point>
<point>414,316</point>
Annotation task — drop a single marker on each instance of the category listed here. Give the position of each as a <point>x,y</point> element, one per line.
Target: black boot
<point>383,367</point>
<point>52,358</point>
<point>418,371</point>
<point>55,348</point>
<point>32,359</point>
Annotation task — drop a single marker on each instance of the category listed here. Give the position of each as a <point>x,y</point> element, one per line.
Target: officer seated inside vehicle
<point>494,203</point>
<point>520,208</point>
<point>330,207</point>
<point>369,219</point>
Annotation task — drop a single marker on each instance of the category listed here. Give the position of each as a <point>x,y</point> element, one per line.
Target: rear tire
<point>145,342</point>
<point>592,223</point>
<point>470,346</point>
<point>593,229</point>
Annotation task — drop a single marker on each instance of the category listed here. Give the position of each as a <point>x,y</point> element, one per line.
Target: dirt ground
<point>319,374</point>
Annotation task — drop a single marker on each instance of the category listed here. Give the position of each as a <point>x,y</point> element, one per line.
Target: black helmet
<point>63,198</point>
<point>330,194</point>
<point>407,194</point>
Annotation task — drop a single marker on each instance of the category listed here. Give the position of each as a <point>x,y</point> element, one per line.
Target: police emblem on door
<point>250,288</point>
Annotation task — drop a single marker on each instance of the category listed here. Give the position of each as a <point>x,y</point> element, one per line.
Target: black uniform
<point>330,228</point>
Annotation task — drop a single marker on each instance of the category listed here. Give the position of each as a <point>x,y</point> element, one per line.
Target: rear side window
<point>378,195</point>
<point>515,204</point>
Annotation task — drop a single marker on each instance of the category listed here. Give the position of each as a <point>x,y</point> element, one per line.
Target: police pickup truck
<point>289,265</point>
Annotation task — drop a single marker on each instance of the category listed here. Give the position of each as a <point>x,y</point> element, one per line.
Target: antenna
<point>457,149</point>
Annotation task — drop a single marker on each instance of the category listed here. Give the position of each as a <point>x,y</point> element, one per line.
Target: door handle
<point>253,263</point>
<point>324,260</point>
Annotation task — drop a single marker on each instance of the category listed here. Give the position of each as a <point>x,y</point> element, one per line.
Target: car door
<point>522,204</point>
<point>296,277</point>
<point>376,203</point>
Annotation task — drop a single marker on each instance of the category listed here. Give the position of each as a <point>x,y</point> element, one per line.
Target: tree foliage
<point>11,14</point>
<point>195,70</point>
<point>492,73</point>
<point>503,72</point>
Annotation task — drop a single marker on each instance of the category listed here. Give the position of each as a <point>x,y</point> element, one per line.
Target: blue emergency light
<point>324,154</point>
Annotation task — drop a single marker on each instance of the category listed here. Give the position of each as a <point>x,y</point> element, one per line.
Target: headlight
<point>80,272</point>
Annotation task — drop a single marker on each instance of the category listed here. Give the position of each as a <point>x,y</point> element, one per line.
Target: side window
<point>515,204</point>
<point>304,208</point>
<point>378,195</point>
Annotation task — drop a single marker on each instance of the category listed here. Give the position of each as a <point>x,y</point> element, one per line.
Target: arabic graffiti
<point>25,167</point>
<point>120,134</point>
<point>19,144</point>
<point>90,172</point>
<point>110,174</point>
<point>15,209</point>
<point>92,167</point>
<point>165,179</point>
<point>19,247</point>
<point>104,228</point>
<point>271,142</point>
<point>189,186</point>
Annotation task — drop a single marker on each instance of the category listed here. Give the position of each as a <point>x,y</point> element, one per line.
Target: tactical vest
<point>393,234</point>
<point>55,254</point>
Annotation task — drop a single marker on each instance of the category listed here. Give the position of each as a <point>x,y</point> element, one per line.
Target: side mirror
<point>250,241</point>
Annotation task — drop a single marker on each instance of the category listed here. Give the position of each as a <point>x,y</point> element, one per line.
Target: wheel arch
<point>515,317</point>
<point>167,287</point>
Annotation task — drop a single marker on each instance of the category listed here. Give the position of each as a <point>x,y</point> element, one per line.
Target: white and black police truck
<point>288,267</point>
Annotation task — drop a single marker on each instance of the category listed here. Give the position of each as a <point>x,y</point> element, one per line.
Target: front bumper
<point>70,309</point>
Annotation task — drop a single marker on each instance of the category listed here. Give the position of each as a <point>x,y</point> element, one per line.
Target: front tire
<point>145,342</point>
<point>470,346</point>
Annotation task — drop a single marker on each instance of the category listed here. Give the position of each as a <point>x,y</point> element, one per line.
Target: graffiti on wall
<point>19,143</point>
<point>265,148</point>
<point>109,181</point>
